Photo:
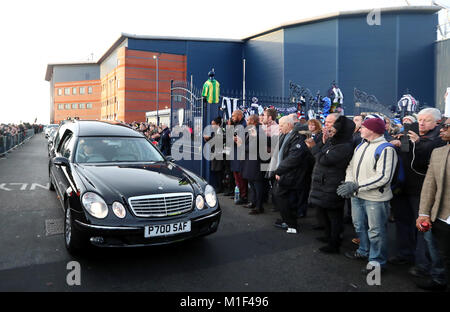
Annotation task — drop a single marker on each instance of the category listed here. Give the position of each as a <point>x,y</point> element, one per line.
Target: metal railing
<point>11,142</point>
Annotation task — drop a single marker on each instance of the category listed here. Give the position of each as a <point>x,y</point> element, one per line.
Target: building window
<point>89,105</point>
<point>67,106</point>
<point>81,106</point>
<point>59,91</point>
<point>66,91</point>
<point>74,91</point>
<point>60,106</point>
<point>74,106</point>
<point>89,90</point>
<point>82,90</point>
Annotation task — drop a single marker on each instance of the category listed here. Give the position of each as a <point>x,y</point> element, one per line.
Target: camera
<point>405,138</point>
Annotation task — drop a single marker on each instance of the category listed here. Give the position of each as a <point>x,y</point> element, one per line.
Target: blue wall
<point>264,64</point>
<point>417,36</point>
<point>224,57</point>
<point>311,56</point>
<point>164,46</point>
<point>368,59</point>
<point>381,60</point>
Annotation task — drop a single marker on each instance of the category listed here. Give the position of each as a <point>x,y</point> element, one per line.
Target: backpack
<point>399,173</point>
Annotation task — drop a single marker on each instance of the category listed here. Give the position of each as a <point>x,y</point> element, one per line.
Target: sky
<point>36,33</point>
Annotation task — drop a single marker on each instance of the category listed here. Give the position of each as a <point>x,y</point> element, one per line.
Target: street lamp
<point>155,57</point>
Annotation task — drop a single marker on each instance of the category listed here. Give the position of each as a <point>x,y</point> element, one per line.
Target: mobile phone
<point>411,127</point>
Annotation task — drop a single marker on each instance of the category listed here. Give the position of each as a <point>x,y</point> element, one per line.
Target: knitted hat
<point>410,117</point>
<point>377,125</point>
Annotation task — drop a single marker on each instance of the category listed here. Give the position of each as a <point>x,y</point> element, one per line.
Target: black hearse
<point>117,189</point>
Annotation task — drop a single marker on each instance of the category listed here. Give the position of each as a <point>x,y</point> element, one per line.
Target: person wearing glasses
<point>435,206</point>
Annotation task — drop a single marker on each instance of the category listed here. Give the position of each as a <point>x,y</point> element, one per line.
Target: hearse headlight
<point>119,210</point>
<point>95,205</point>
<point>199,202</point>
<point>210,196</point>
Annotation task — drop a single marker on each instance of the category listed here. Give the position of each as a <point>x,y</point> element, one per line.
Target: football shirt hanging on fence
<point>211,90</point>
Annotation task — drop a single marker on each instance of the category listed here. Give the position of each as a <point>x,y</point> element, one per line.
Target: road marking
<point>23,186</point>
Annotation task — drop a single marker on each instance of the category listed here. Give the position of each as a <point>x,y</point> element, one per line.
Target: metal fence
<point>261,98</point>
<point>11,142</point>
<point>186,110</point>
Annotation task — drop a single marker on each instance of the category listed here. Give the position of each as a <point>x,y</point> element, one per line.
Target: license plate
<point>167,229</point>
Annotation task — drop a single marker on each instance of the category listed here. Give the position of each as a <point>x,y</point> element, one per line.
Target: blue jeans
<point>370,220</point>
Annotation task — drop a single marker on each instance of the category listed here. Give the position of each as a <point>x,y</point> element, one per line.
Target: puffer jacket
<point>331,161</point>
<point>373,177</point>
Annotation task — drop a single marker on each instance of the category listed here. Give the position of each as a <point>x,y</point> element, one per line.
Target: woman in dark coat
<point>332,158</point>
<point>251,169</point>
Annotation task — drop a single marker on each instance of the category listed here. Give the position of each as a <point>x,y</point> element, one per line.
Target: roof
<point>309,20</point>
<point>124,36</point>
<point>104,128</point>
<point>49,72</point>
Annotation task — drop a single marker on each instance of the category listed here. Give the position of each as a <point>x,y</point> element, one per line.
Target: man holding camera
<point>412,247</point>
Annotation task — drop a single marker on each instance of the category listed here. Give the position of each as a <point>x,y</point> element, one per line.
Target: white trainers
<point>291,231</point>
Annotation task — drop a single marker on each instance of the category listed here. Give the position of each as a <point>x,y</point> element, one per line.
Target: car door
<point>56,141</point>
<point>61,173</point>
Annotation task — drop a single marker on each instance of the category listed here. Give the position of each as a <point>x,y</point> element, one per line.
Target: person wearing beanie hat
<point>409,119</point>
<point>367,182</point>
<point>376,125</point>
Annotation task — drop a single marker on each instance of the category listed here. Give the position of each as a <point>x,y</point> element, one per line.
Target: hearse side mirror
<point>170,158</point>
<point>61,161</point>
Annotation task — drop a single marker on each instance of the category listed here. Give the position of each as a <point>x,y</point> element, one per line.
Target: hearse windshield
<point>115,149</point>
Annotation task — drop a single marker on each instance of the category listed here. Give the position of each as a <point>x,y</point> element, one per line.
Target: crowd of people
<point>369,168</point>
<point>13,134</point>
<point>158,135</point>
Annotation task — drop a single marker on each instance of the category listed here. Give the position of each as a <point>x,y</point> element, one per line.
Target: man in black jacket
<point>293,159</point>
<point>164,141</point>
